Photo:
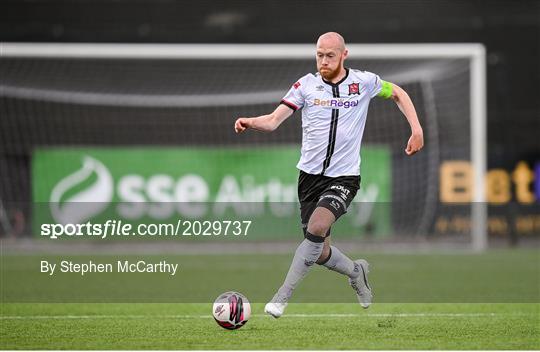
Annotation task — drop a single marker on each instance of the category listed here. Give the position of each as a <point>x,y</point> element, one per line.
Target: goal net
<point>118,123</point>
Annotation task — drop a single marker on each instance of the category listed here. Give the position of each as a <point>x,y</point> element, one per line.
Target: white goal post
<point>474,52</point>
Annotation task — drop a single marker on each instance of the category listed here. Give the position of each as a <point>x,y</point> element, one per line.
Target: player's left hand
<point>416,142</point>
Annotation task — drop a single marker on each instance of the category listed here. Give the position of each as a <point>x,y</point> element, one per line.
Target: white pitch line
<point>335,315</point>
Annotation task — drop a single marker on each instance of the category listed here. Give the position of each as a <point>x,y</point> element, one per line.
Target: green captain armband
<point>386,90</point>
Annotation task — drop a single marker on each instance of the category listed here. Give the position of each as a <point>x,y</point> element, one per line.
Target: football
<point>231,310</point>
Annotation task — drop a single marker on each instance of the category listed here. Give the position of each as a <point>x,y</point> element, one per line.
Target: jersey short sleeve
<point>377,87</point>
<point>374,84</point>
<point>295,97</point>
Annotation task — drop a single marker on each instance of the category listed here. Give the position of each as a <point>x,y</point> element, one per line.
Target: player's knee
<point>318,227</point>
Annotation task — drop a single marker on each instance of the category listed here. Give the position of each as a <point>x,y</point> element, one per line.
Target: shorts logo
<point>334,204</point>
<point>296,85</point>
<point>341,189</point>
<point>343,192</point>
<point>354,88</point>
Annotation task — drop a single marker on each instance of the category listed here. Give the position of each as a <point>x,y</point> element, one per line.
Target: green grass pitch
<point>306,326</point>
<point>508,318</point>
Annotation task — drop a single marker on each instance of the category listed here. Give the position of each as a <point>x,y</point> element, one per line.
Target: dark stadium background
<point>510,31</point>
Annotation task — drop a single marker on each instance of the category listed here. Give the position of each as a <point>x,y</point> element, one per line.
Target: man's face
<point>329,62</point>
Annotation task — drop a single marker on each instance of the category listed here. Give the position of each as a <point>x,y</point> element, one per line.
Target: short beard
<point>330,75</point>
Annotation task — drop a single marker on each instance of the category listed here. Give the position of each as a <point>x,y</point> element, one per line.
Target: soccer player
<point>334,105</point>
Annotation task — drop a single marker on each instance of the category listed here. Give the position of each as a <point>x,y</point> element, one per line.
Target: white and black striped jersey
<point>333,119</point>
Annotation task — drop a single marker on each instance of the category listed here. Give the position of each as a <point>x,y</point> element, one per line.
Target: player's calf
<point>307,253</point>
<point>326,252</point>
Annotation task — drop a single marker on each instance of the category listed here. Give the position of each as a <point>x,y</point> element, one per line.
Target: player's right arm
<point>265,123</point>
<point>293,100</point>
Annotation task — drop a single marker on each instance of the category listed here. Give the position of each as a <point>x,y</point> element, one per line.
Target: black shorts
<point>332,193</point>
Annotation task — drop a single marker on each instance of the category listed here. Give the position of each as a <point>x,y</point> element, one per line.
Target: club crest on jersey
<point>296,85</point>
<point>354,88</point>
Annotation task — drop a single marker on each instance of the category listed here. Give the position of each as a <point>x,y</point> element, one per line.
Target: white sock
<point>306,255</point>
<point>340,263</point>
